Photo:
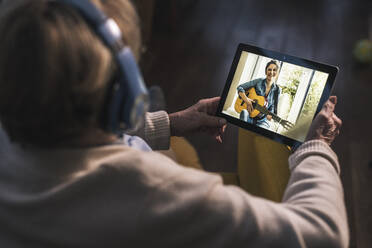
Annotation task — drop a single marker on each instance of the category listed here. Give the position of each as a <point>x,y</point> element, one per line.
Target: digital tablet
<point>274,94</point>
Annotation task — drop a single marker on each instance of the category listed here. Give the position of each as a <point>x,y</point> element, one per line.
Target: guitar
<point>258,105</point>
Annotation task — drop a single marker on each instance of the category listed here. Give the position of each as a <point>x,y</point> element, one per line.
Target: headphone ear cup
<point>129,99</point>
<point>113,103</point>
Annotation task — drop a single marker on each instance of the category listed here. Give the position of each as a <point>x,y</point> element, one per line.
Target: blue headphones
<point>127,101</point>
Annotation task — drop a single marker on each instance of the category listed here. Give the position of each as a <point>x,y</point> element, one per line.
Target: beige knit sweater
<point>117,196</point>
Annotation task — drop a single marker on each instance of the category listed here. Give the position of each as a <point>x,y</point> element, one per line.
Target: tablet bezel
<point>330,69</point>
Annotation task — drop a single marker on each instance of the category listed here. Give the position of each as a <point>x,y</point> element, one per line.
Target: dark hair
<point>54,69</point>
<point>272,62</point>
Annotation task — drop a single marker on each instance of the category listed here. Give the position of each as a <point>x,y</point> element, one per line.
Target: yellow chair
<point>262,165</point>
<point>185,153</point>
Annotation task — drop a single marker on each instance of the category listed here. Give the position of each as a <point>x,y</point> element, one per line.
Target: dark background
<point>189,46</point>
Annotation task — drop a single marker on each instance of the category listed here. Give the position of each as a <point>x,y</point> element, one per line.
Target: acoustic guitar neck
<point>266,112</point>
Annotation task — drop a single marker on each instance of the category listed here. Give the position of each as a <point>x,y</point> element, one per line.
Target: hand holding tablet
<point>326,125</point>
<point>274,94</point>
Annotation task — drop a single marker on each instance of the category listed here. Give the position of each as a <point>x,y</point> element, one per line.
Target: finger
<point>330,104</point>
<point>215,133</point>
<point>329,124</point>
<point>333,99</point>
<point>223,128</point>
<point>328,107</point>
<point>250,108</point>
<point>210,121</point>
<point>209,105</point>
<point>212,104</point>
<point>337,132</point>
<point>338,121</point>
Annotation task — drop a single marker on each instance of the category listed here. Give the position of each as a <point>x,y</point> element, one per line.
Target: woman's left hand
<point>198,118</point>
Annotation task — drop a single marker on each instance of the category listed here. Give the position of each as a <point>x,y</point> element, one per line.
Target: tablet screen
<point>274,94</point>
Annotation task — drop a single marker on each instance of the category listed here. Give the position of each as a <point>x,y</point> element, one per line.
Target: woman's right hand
<point>326,125</point>
<point>247,101</point>
<point>249,105</point>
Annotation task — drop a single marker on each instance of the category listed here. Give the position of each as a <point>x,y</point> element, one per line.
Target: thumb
<point>329,105</point>
<point>211,121</point>
<point>333,99</point>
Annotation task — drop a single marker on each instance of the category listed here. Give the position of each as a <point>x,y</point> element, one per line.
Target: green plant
<point>291,84</point>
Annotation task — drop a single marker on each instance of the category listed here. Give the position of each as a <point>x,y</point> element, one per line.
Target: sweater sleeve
<point>314,196</point>
<point>155,131</point>
<point>198,211</point>
<point>312,213</point>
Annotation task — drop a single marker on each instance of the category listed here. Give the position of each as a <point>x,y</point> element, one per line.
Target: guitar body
<point>251,93</point>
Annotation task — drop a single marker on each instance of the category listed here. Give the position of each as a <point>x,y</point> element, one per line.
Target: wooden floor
<point>192,46</point>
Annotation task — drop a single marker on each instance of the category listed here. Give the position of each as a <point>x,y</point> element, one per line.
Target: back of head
<point>54,69</point>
